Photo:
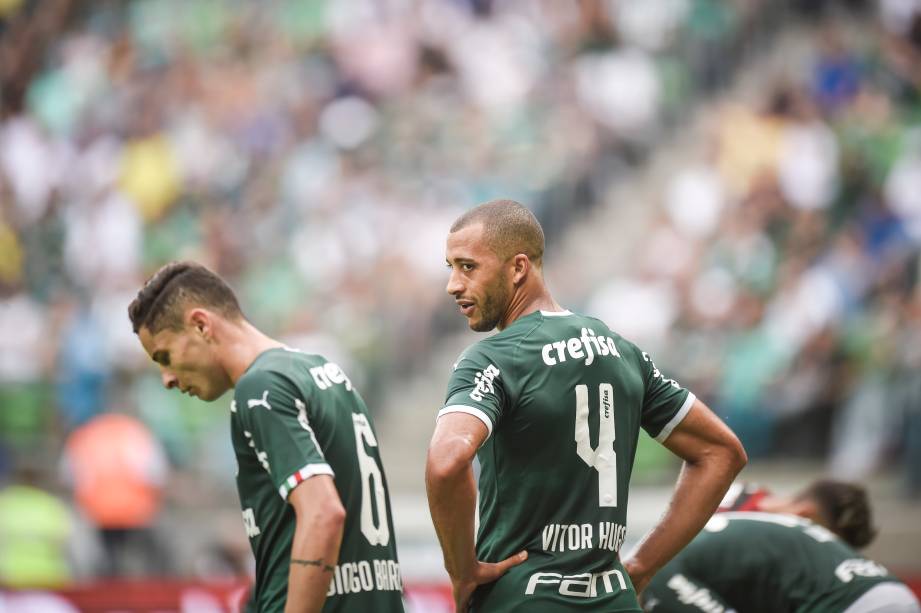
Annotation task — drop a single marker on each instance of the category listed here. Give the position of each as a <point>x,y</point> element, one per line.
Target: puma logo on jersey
<point>261,402</point>
<point>483,382</point>
<point>583,347</point>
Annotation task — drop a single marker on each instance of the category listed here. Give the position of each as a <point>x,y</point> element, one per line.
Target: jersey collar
<point>562,313</point>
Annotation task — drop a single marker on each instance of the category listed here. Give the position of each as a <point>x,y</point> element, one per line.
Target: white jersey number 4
<point>603,458</point>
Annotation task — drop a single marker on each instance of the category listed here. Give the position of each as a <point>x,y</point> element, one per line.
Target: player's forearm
<point>451,493</point>
<point>314,552</point>
<point>700,487</point>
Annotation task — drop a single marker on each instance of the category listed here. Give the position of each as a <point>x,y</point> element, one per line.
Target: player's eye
<point>466,267</point>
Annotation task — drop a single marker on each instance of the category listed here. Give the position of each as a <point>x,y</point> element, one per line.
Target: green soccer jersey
<point>563,398</point>
<point>294,416</point>
<point>756,562</point>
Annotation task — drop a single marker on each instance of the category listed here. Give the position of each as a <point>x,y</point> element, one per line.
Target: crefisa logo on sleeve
<point>484,382</point>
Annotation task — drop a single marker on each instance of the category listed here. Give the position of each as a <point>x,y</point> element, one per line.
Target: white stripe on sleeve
<point>674,421</point>
<point>461,408</point>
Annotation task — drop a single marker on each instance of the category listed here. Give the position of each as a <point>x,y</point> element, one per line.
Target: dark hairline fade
<point>509,228</point>
<point>845,508</point>
<point>162,301</point>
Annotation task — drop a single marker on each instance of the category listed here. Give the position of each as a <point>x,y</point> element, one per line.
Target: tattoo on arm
<point>318,563</point>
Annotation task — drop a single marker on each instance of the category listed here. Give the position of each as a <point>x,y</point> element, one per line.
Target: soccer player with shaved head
<point>309,473</point>
<point>552,405</point>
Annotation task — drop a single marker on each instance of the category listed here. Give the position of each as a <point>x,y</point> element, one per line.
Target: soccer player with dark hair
<point>551,406</point>
<point>795,554</point>
<point>842,507</point>
<point>309,473</point>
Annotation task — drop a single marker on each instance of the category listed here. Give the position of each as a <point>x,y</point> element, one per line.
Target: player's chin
<point>479,324</point>
<point>208,394</point>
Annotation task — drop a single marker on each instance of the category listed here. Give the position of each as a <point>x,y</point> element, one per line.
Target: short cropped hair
<point>160,304</point>
<point>845,509</point>
<point>509,228</point>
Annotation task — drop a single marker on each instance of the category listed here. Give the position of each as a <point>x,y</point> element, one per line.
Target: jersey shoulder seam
<point>272,372</point>
<point>524,336</point>
<point>483,347</point>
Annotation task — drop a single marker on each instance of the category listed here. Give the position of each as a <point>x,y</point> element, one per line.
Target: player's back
<point>763,563</point>
<point>564,397</point>
<point>296,415</point>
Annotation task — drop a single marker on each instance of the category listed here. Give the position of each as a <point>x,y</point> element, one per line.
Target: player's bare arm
<point>451,493</point>
<point>713,456</point>
<point>315,547</point>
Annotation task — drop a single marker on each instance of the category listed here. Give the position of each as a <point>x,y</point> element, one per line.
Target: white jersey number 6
<point>372,485</point>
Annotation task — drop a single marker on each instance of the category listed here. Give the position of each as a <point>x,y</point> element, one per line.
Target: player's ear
<point>521,267</point>
<point>199,320</point>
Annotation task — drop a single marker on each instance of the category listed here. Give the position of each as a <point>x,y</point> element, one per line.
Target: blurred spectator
<point>837,74</point>
<point>36,529</point>
<point>117,470</point>
<point>808,166</point>
<point>696,200</point>
<point>82,368</point>
<point>909,394</point>
<point>621,90</point>
<point>901,187</point>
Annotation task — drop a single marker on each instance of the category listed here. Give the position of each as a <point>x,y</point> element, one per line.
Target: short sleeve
<point>476,387</point>
<point>276,424</point>
<point>665,403</point>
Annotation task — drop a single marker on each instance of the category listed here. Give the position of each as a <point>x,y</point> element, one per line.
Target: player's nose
<point>454,286</point>
<point>169,380</point>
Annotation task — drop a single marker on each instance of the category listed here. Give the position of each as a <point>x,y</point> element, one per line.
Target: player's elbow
<point>318,508</point>
<point>723,457</point>
<point>330,515</point>
<point>446,461</point>
<point>734,454</point>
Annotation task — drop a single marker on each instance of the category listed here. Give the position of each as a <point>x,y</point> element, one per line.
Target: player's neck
<point>242,345</point>
<point>531,297</point>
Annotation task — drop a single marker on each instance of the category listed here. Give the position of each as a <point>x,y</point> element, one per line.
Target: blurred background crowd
<point>315,153</point>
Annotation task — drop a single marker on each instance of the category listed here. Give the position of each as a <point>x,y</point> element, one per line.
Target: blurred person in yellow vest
<point>35,534</point>
<point>117,470</point>
<point>149,175</point>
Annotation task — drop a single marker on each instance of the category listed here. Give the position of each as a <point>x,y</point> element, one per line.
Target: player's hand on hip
<point>483,572</point>
<point>638,576</point>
